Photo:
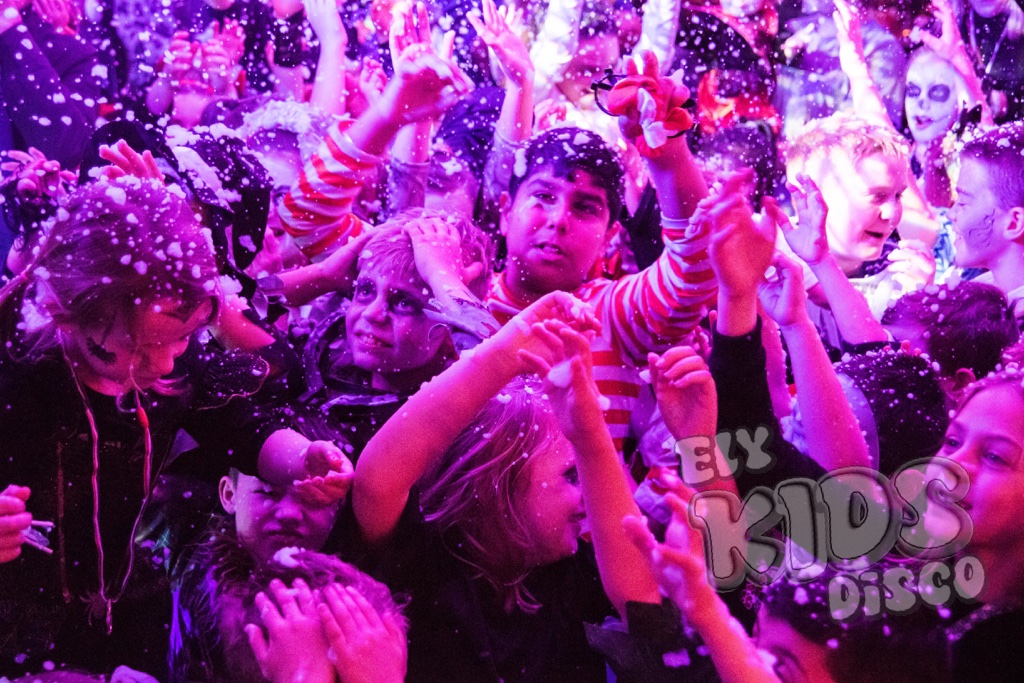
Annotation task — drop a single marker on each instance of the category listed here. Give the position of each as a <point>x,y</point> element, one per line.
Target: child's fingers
<point>303,597</point>
<point>639,534</point>
<point>691,379</point>
<point>258,643</point>
<point>329,623</point>
<point>355,615</point>
<point>14,491</point>
<point>269,613</point>
<point>534,363</point>
<point>681,366</point>
<point>285,597</point>
<point>370,616</point>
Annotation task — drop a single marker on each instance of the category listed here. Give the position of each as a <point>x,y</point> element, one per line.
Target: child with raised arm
<point>797,638</point>
<point>488,542</point>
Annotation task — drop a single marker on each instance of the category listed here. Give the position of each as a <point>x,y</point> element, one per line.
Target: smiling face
<point>269,517</point>
<point>552,504</point>
<point>987,439</point>
<point>113,357</point>
<point>388,332</point>
<point>864,205</point>
<point>932,98</point>
<point>555,230</point>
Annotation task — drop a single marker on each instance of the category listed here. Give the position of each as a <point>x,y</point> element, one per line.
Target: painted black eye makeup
<point>104,356</point>
<point>939,93</point>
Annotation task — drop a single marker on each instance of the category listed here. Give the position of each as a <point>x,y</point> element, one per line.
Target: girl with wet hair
<point>100,369</point>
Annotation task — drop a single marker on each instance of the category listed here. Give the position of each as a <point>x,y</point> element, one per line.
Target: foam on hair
<point>115,247</point>
<point>390,249</point>
<point>814,144</point>
<point>472,497</point>
<point>563,152</point>
<point>966,326</point>
<point>1001,151</point>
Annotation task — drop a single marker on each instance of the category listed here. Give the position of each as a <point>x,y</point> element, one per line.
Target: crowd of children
<point>463,341</point>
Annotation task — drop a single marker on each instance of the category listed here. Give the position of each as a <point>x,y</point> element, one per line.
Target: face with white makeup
<point>934,97</point>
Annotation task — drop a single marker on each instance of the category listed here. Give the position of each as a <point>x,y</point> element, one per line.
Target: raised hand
<point>678,563</point>
<point>649,106</point>
<point>950,45</point>
<point>325,20</point>
<point>496,26</point>
<point>851,40</point>
<point>294,648</point>
<point>782,293</point>
<point>341,267</point>
<point>365,646</point>
<point>437,250</point>
<point>426,83</point>
<point>181,55</point>
<point>330,474</point>
<point>231,37</point>
<point>569,383</point>
<point>808,238</point>
<point>37,177</point>
<point>14,521</point>
<point>685,391</point>
<point>126,161</point>
<point>741,246</point>
<point>57,13</point>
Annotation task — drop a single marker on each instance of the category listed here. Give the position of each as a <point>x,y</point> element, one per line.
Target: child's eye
<point>913,91</point>
<point>364,291</point>
<point>588,208</point>
<point>950,444</point>
<point>572,475</point>
<point>546,197</point>
<point>995,459</point>
<point>406,306</point>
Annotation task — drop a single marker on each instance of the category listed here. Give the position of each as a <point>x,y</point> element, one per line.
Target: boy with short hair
<point>562,208</point>
<point>263,519</point>
<point>988,216</point>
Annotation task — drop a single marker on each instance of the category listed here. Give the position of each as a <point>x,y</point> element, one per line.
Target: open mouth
<point>549,249</point>
<point>876,234</point>
<point>923,121</point>
<point>370,342</point>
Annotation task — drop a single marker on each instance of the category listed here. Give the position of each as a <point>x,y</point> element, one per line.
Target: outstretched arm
<point>681,570</point>
<point>606,493</point>
<point>918,220</point>
<point>425,427</point>
<point>425,84</point>
<point>834,437</point>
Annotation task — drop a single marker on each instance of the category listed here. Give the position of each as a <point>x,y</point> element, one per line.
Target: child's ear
<point>1014,231</point>
<point>961,378</point>
<point>505,208</point>
<point>226,489</point>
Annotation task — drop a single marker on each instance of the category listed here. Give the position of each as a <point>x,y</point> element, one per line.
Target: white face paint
<point>932,98</point>
<point>742,8</point>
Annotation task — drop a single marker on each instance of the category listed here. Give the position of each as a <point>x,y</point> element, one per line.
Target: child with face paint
<point>99,372</point>
<point>988,216</point>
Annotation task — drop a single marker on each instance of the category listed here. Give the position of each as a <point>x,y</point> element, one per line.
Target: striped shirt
<point>648,311</point>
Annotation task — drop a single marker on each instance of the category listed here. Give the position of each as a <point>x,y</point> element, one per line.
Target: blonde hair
<point>474,495</point>
<point>812,147</point>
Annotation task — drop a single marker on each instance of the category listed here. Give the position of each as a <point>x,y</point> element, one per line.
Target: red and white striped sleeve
<point>653,309</point>
<point>317,211</point>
